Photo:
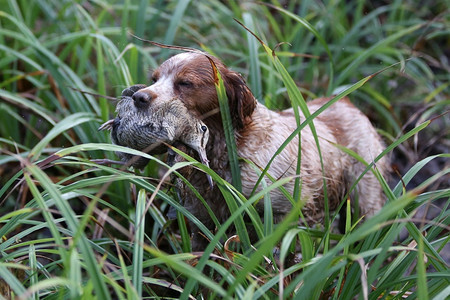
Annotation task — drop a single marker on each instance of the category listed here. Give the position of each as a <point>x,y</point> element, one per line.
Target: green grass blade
<point>11,280</point>
<point>69,122</point>
<point>33,269</point>
<point>131,292</point>
<point>443,294</point>
<point>414,170</point>
<point>47,215</point>
<point>74,274</point>
<point>228,128</point>
<point>319,37</point>
<point>140,28</point>
<point>184,233</point>
<point>233,206</point>
<point>101,88</point>
<point>422,289</point>
<point>15,213</point>
<point>22,102</point>
<point>138,250</point>
<point>48,284</point>
<point>175,22</point>
<point>255,71</point>
<point>184,268</point>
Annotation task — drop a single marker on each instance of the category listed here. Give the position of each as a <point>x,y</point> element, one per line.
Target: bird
<point>171,122</point>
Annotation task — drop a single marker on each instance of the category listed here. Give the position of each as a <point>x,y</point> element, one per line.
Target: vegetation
<point>73,226</point>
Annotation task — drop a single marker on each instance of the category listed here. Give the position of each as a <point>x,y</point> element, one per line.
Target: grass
<point>73,228</point>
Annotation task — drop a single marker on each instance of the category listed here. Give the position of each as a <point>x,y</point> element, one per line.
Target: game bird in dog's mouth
<point>141,127</point>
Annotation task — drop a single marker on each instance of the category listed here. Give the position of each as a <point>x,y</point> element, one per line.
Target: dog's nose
<point>141,100</point>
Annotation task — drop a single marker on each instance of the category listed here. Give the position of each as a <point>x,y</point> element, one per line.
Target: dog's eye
<point>154,79</point>
<point>185,83</point>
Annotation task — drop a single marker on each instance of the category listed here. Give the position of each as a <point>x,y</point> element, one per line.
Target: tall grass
<point>74,226</point>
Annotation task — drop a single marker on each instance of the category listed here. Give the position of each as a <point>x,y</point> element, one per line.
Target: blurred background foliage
<point>52,52</point>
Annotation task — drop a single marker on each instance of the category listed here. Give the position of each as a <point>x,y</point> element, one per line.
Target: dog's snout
<point>141,99</point>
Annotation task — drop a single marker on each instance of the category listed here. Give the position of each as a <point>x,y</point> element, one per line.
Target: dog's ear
<point>241,100</point>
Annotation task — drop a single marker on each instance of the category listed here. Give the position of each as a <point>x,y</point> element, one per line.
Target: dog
<point>259,133</point>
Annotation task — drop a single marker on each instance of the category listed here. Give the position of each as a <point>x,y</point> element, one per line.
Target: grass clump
<point>72,227</point>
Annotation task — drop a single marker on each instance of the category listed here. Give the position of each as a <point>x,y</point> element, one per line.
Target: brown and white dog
<point>259,132</point>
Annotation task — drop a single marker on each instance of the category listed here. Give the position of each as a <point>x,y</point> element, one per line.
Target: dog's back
<point>341,124</point>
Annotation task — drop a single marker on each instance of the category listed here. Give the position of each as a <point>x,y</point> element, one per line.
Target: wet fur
<point>259,133</point>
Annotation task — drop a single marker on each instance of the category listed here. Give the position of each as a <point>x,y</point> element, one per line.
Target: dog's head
<point>190,78</point>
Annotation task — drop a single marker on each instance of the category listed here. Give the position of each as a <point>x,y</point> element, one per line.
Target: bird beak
<point>211,184</point>
<point>204,160</point>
